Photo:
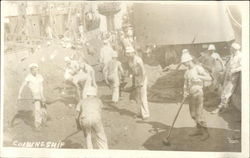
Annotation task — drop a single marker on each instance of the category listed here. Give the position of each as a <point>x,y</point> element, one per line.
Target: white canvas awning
<point>171,24</point>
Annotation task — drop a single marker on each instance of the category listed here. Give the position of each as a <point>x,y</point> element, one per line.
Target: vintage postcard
<point>125,79</point>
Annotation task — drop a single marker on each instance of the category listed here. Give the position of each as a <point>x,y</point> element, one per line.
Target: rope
<point>231,16</point>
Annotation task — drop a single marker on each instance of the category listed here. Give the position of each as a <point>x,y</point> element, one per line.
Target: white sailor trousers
<point>115,83</point>
<point>228,89</point>
<point>94,128</point>
<point>37,113</point>
<point>142,99</point>
<point>115,94</point>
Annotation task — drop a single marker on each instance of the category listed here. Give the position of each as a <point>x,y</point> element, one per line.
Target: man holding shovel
<point>232,75</point>
<point>35,83</point>
<point>194,77</point>
<point>90,120</point>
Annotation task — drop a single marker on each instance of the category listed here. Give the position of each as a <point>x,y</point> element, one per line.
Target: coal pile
<point>168,87</point>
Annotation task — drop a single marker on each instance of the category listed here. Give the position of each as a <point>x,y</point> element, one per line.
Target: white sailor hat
<point>66,59</point>
<point>211,47</point>
<point>186,57</point>
<point>236,46</point>
<point>105,41</point>
<point>33,65</point>
<point>130,49</point>
<point>185,51</point>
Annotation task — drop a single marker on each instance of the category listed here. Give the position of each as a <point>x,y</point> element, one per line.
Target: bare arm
<point>185,88</point>
<point>21,89</point>
<point>236,69</point>
<point>203,75</point>
<point>120,69</point>
<point>75,81</point>
<point>221,62</point>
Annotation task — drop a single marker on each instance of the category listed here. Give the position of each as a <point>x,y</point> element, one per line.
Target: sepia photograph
<point>124,79</point>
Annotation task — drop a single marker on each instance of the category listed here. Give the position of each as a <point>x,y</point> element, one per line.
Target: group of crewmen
<point>226,76</point>
<point>88,109</point>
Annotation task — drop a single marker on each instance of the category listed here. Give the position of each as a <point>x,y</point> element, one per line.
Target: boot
<point>197,131</point>
<point>137,116</point>
<point>205,134</point>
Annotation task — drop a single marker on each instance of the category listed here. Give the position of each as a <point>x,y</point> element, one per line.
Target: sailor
<point>34,80</point>
<point>232,74</point>
<point>212,52</point>
<point>113,72</point>
<point>90,120</point>
<point>106,53</point>
<point>217,65</point>
<point>139,83</point>
<point>194,79</point>
<point>214,65</point>
<point>71,68</point>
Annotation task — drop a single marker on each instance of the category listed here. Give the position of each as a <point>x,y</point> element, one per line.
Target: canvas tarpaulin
<point>171,24</point>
